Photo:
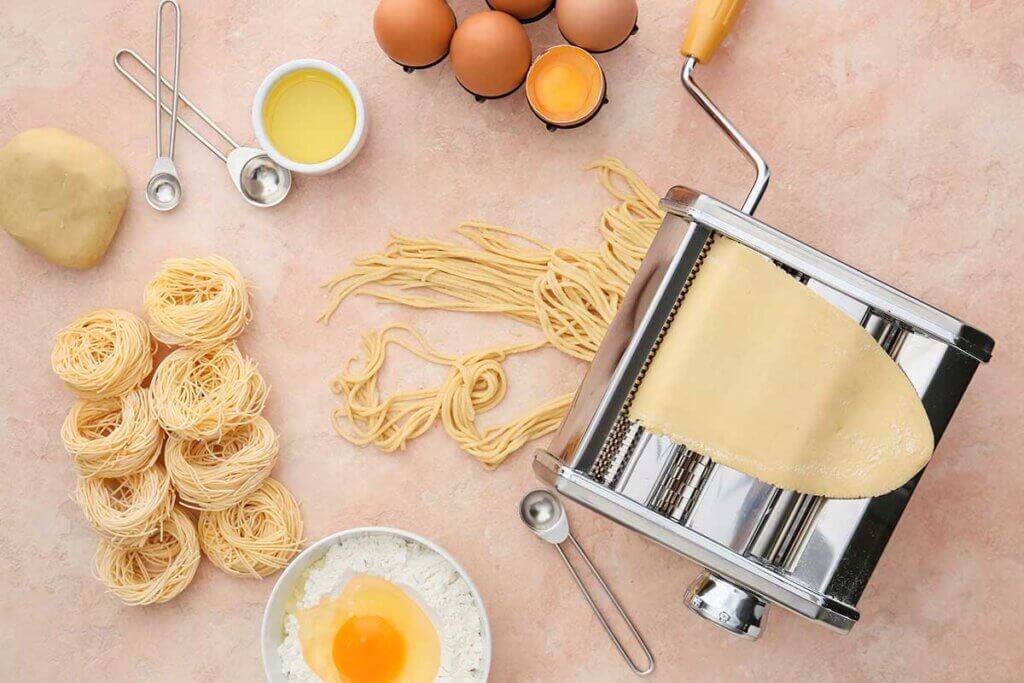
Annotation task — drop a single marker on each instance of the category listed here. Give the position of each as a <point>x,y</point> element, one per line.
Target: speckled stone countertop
<point>895,137</point>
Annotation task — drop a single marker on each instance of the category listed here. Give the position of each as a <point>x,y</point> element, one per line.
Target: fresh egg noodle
<point>197,302</point>
<point>216,475</point>
<point>113,437</point>
<point>474,384</point>
<point>202,393</point>
<point>125,511</point>
<point>156,571</point>
<point>104,353</point>
<point>258,536</point>
<point>570,294</point>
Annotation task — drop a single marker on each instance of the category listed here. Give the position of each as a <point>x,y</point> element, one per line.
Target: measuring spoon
<point>163,189</point>
<point>545,516</point>
<point>261,180</point>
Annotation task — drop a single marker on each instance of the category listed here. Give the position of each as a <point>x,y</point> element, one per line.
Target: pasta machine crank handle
<point>710,22</point>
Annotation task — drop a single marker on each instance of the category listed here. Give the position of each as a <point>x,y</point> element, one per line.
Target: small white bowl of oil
<point>292,581</point>
<point>309,116</point>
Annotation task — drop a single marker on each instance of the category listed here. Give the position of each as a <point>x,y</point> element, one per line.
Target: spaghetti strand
<point>569,294</point>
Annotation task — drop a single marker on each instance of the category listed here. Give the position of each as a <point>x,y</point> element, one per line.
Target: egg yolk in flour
<point>374,632</point>
<point>368,648</point>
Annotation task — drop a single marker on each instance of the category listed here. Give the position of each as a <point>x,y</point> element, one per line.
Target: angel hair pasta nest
<point>127,510</point>
<point>197,302</point>
<point>216,475</point>
<point>104,353</point>
<point>157,570</point>
<point>256,537</point>
<point>113,437</point>
<point>203,393</point>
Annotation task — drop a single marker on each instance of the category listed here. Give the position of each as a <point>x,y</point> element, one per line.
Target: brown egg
<point>491,54</point>
<point>596,25</point>
<point>414,33</point>
<point>523,10</point>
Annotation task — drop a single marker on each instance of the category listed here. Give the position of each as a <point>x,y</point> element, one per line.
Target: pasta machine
<point>759,544</point>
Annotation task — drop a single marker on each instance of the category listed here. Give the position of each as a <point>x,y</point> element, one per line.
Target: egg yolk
<point>374,632</point>
<point>368,649</point>
<point>562,89</point>
<point>565,85</point>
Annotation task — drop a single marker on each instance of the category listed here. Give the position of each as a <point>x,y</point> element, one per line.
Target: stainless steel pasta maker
<point>759,544</point>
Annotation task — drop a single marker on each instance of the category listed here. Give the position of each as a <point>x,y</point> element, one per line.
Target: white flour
<point>413,566</point>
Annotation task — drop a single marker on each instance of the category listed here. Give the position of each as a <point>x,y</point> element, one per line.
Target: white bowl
<point>272,629</point>
<point>340,159</point>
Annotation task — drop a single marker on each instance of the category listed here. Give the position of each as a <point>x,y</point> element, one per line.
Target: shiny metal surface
<point>678,490</point>
<point>261,181</point>
<point>876,295</point>
<point>813,556</point>
<point>744,571</point>
<point>733,133</point>
<point>648,457</point>
<point>734,609</point>
<point>544,515</point>
<point>163,189</point>
<point>730,507</point>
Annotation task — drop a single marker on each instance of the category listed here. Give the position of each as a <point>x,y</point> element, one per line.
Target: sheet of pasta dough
<point>764,376</point>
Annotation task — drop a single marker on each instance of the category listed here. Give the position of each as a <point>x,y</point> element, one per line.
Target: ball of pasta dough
<point>61,196</point>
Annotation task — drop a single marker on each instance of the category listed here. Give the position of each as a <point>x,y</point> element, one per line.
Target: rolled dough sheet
<point>762,375</point>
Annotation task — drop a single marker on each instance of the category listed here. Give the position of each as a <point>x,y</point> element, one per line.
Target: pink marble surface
<point>894,133</point>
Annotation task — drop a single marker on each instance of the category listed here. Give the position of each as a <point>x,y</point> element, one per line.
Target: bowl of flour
<point>422,569</point>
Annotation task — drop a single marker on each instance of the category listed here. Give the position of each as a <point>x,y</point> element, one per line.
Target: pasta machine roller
<point>759,544</point>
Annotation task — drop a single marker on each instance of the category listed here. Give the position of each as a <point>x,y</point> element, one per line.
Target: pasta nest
<point>256,537</point>
<point>197,302</point>
<point>156,571</point>
<point>127,510</point>
<point>104,353</point>
<point>216,475</point>
<point>203,393</point>
<point>113,437</point>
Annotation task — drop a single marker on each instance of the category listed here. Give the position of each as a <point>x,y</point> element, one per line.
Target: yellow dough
<point>762,375</point>
<point>61,196</point>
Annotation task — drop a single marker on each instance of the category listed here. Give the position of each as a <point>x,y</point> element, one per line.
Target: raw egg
<point>374,632</point>
<point>565,86</point>
<point>491,54</point>
<point>523,10</point>
<point>414,33</point>
<point>596,25</point>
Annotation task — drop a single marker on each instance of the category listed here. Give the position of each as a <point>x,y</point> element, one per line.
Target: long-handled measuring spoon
<point>163,189</point>
<point>260,179</point>
<point>542,512</point>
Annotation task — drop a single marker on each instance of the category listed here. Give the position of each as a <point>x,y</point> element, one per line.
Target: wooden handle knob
<point>710,23</point>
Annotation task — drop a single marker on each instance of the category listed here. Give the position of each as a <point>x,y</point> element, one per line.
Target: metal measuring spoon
<point>545,516</point>
<point>163,189</point>
<point>261,180</point>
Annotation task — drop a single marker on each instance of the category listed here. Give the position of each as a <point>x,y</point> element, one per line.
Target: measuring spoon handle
<point>636,668</point>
